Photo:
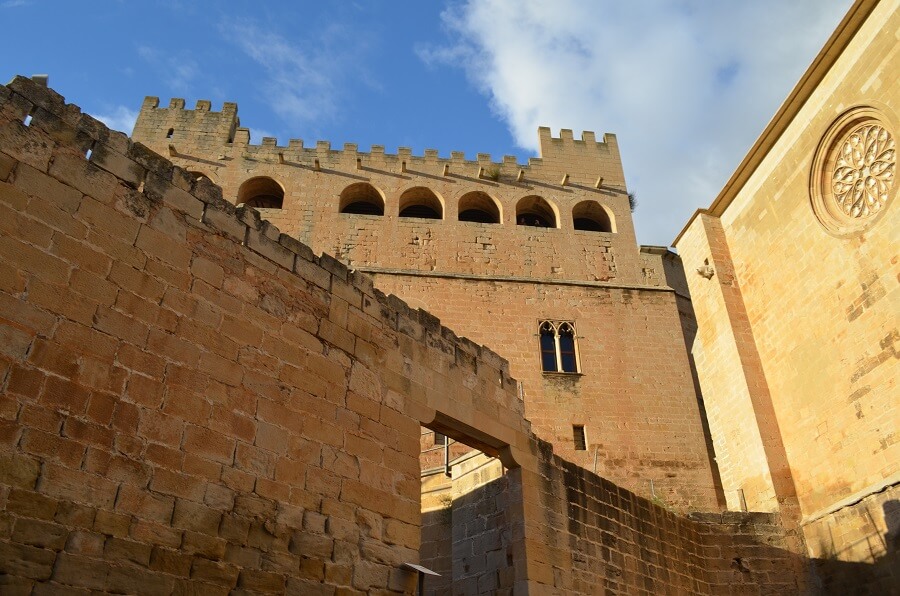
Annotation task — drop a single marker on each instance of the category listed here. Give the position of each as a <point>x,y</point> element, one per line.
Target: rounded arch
<point>591,216</point>
<point>421,202</point>
<point>479,207</point>
<point>261,192</point>
<point>361,198</point>
<point>537,212</point>
<point>198,175</point>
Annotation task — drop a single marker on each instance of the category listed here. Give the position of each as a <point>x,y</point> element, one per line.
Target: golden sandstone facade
<point>192,401</point>
<point>467,257</point>
<point>798,323</point>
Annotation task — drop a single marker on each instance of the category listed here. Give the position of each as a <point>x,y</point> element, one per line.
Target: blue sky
<point>686,85</point>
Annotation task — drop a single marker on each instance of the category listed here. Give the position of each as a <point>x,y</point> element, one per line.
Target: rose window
<point>852,177</point>
<point>864,171</point>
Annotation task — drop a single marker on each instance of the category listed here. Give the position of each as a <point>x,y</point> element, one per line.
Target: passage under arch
<point>422,203</point>
<point>479,207</point>
<point>591,216</point>
<point>361,199</point>
<point>261,192</point>
<point>535,211</point>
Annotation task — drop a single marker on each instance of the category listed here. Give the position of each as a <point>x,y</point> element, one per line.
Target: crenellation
<point>176,103</point>
<point>241,137</point>
<point>151,102</point>
<point>203,105</point>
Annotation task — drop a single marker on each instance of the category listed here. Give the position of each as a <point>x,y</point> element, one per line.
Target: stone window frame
<point>554,354</point>
<point>832,220</point>
<point>579,437</point>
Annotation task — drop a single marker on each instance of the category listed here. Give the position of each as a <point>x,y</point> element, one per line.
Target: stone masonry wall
<point>618,542</point>
<point>607,539</point>
<point>494,282</point>
<point>635,397</point>
<point>312,195</point>
<point>856,549</point>
<point>192,402</point>
<point>820,309</point>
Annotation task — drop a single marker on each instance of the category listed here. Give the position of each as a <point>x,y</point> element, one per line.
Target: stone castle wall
<point>194,402</point>
<point>635,397</point>
<point>493,283</point>
<point>605,539</point>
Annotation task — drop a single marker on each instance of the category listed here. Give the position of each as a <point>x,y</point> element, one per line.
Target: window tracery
<point>559,347</point>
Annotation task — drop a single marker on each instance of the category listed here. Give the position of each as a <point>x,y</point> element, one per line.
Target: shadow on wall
<point>837,577</point>
<point>469,542</point>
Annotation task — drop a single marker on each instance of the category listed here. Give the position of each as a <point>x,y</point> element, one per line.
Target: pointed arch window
<point>559,347</point>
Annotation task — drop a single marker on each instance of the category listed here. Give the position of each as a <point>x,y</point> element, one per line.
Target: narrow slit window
<point>170,133</point>
<point>579,438</point>
<point>558,347</point>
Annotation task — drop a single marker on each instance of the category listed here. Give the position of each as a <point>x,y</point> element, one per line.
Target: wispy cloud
<point>119,118</point>
<point>14,3</point>
<point>686,85</point>
<point>303,82</point>
<point>179,71</point>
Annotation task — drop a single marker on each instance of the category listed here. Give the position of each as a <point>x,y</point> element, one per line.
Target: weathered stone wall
<point>856,548</point>
<point>606,539</point>
<point>192,401</point>
<point>493,283</point>
<point>635,397</point>
<point>806,318</point>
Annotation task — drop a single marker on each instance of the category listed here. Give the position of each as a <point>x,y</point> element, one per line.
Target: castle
<point>193,401</point>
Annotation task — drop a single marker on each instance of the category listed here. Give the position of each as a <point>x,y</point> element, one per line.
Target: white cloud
<point>119,118</point>
<point>303,81</point>
<point>14,3</point>
<point>686,85</point>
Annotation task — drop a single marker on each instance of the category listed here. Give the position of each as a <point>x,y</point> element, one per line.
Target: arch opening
<point>422,203</point>
<point>536,212</point>
<point>261,192</point>
<point>196,176</point>
<point>591,216</point>
<point>361,199</point>
<point>479,207</point>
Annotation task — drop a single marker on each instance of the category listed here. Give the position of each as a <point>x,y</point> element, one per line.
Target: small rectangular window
<point>578,435</point>
<point>440,439</point>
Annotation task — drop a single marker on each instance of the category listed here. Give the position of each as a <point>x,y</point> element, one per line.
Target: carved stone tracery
<point>863,175</point>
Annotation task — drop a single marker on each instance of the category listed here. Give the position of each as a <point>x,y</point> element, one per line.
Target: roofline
<point>785,115</point>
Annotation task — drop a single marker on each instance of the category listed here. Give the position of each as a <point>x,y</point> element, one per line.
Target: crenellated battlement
<point>585,161</point>
<point>565,143</point>
<point>200,126</point>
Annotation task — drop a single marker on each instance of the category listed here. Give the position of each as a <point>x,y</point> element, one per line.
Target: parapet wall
<point>199,126</point>
<point>208,129</point>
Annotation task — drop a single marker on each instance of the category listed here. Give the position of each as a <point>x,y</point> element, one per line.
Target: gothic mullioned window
<point>559,347</point>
